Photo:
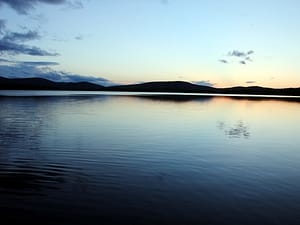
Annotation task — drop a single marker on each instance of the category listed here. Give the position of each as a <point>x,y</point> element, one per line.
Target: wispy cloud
<point>164,2</point>
<point>23,6</point>
<point>241,57</point>
<point>223,61</point>
<point>248,59</point>
<point>250,82</point>
<point>28,63</point>
<point>12,43</point>
<point>237,53</point>
<point>2,26</point>
<point>15,48</point>
<point>39,63</point>
<point>250,52</point>
<point>20,37</point>
<point>75,4</point>
<point>15,43</point>
<point>241,54</point>
<point>204,83</point>
<point>79,37</point>
<point>5,60</point>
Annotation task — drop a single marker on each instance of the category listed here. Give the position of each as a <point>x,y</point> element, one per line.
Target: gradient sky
<point>221,43</point>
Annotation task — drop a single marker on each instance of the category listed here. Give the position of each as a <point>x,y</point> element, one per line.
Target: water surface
<point>82,158</point>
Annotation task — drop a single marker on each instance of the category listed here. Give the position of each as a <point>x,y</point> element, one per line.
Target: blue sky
<point>213,42</point>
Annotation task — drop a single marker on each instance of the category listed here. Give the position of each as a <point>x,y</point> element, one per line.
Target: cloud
<point>223,61</point>
<point>75,4</point>
<point>2,26</point>
<point>204,83</point>
<point>32,63</point>
<point>5,60</point>
<point>250,82</point>
<point>15,49</point>
<point>20,37</point>
<point>23,6</point>
<point>237,53</point>
<point>11,43</point>
<point>39,63</point>
<point>248,59</point>
<point>42,70</point>
<point>79,37</point>
<point>40,18</point>
<point>242,55</point>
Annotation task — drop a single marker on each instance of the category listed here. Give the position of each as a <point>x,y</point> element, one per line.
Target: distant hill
<point>43,84</point>
<point>256,90</point>
<point>166,86</point>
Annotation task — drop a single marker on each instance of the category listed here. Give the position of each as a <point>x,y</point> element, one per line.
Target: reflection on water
<point>175,98</point>
<point>147,159</point>
<point>238,130</point>
<point>24,179</point>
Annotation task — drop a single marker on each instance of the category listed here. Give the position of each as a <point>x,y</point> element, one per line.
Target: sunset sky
<point>213,42</point>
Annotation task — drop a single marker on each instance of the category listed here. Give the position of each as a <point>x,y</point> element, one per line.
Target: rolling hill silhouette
<point>165,86</point>
<point>44,84</point>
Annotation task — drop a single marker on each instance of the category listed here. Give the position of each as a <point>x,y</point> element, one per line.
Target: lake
<point>136,158</point>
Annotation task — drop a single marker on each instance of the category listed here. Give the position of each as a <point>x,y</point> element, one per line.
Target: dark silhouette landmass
<point>165,86</point>
<point>174,97</point>
<point>44,84</point>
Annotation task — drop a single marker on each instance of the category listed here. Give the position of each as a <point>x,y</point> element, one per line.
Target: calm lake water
<point>92,158</point>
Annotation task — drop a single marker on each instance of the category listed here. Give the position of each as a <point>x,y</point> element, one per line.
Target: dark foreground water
<point>100,159</point>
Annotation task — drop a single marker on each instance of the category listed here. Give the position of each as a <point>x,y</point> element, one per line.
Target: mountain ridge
<point>154,86</point>
<point>44,84</point>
